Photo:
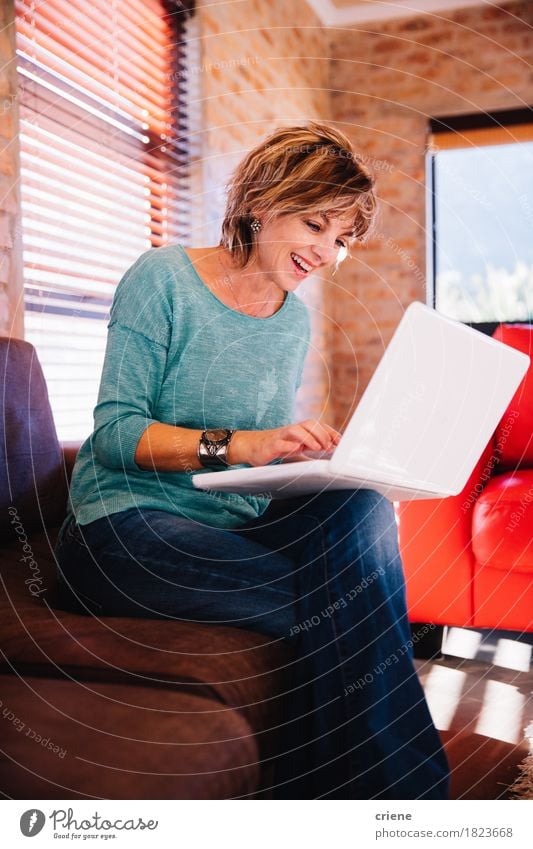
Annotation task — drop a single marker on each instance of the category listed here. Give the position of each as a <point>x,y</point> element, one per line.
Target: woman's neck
<point>243,289</point>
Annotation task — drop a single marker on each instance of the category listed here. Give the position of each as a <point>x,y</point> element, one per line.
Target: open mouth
<point>301,266</point>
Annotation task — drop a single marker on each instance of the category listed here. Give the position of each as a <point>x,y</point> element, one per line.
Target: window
<point>104,172</point>
<point>481,183</point>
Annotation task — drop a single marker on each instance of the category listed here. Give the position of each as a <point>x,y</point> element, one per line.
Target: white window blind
<point>104,172</point>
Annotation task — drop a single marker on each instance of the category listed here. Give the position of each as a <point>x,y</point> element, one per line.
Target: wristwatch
<point>213,448</point>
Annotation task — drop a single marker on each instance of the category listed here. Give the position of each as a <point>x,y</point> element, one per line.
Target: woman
<point>205,352</point>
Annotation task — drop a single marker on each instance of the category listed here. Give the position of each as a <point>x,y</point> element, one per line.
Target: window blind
<point>104,172</point>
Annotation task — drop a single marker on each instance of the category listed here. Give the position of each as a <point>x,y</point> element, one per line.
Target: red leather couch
<point>468,559</point>
<point>111,708</point>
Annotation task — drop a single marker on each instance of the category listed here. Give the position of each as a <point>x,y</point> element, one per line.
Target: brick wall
<point>11,316</point>
<point>263,65</point>
<point>386,81</point>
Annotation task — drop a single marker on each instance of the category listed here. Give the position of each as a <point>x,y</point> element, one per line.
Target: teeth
<point>301,262</point>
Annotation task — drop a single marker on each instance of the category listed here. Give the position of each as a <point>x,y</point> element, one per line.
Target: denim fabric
<point>322,572</point>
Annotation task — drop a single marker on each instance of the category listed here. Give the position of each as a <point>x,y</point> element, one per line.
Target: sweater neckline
<point>224,306</point>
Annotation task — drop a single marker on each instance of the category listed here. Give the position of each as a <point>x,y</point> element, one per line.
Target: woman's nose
<point>326,250</point>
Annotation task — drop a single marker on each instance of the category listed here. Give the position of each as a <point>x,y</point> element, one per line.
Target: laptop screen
<point>432,404</point>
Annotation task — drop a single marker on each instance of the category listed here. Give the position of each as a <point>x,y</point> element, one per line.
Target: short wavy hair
<point>310,168</point>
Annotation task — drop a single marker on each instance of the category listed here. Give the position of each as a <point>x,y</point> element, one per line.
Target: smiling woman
<point>204,356</point>
<point>295,170</point>
<point>295,203</point>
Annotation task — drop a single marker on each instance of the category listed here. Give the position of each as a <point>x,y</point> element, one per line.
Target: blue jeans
<point>321,572</point>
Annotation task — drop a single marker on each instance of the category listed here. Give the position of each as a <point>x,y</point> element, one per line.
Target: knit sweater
<point>176,354</point>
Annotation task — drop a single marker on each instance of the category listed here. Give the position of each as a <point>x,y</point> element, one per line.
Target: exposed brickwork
<point>11,316</point>
<point>386,81</point>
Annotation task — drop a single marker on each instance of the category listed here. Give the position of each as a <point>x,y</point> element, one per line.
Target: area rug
<point>522,788</point>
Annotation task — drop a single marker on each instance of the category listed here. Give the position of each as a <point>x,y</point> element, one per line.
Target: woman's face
<point>290,247</point>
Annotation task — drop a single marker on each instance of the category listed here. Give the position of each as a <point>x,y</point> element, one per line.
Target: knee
<point>363,522</point>
<point>360,508</point>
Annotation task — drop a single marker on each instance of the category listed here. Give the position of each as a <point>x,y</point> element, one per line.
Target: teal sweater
<point>176,354</point>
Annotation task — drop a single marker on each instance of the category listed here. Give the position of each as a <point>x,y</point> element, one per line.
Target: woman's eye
<point>316,227</point>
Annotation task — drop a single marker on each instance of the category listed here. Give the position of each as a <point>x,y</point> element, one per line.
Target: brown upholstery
<point>191,710</point>
<point>63,740</point>
<point>242,668</point>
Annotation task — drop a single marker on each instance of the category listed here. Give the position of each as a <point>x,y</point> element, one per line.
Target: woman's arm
<point>167,448</point>
<point>128,436</point>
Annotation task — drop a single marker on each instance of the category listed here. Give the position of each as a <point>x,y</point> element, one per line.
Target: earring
<point>255,225</point>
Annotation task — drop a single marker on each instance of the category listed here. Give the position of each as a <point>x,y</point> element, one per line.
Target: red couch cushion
<point>502,523</point>
<point>514,434</point>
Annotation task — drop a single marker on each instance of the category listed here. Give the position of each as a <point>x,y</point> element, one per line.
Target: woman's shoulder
<point>167,259</point>
<point>157,269</point>
<point>146,297</point>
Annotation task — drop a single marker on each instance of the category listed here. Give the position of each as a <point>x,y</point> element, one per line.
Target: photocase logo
<point>31,822</point>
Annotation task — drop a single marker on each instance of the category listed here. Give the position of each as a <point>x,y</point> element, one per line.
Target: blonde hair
<point>304,168</point>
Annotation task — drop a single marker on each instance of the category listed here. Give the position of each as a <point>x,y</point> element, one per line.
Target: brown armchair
<point>112,708</point>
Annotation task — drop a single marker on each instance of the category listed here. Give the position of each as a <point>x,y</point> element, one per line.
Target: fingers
<point>325,437</point>
<point>336,436</point>
<point>298,438</point>
<point>309,435</point>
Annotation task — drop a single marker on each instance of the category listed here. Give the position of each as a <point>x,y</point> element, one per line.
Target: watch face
<point>216,435</point>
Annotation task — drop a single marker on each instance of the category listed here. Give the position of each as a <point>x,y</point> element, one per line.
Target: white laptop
<point>428,412</point>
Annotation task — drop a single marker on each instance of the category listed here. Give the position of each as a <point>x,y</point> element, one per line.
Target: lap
<point>347,525</point>
<point>154,563</point>
<point>151,563</point>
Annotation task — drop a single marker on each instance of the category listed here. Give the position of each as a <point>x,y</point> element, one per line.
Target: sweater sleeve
<point>139,334</point>
<point>144,297</point>
<point>133,371</point>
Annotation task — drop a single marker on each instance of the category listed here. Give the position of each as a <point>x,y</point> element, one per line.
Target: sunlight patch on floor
<point>501,714</point>
<point>443,688</point>
<point>461,642</point>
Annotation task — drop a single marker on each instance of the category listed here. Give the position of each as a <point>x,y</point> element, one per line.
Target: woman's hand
<point>259,447</point>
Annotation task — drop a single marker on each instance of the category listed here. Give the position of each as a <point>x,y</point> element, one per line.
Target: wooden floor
<point>480,696</point>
